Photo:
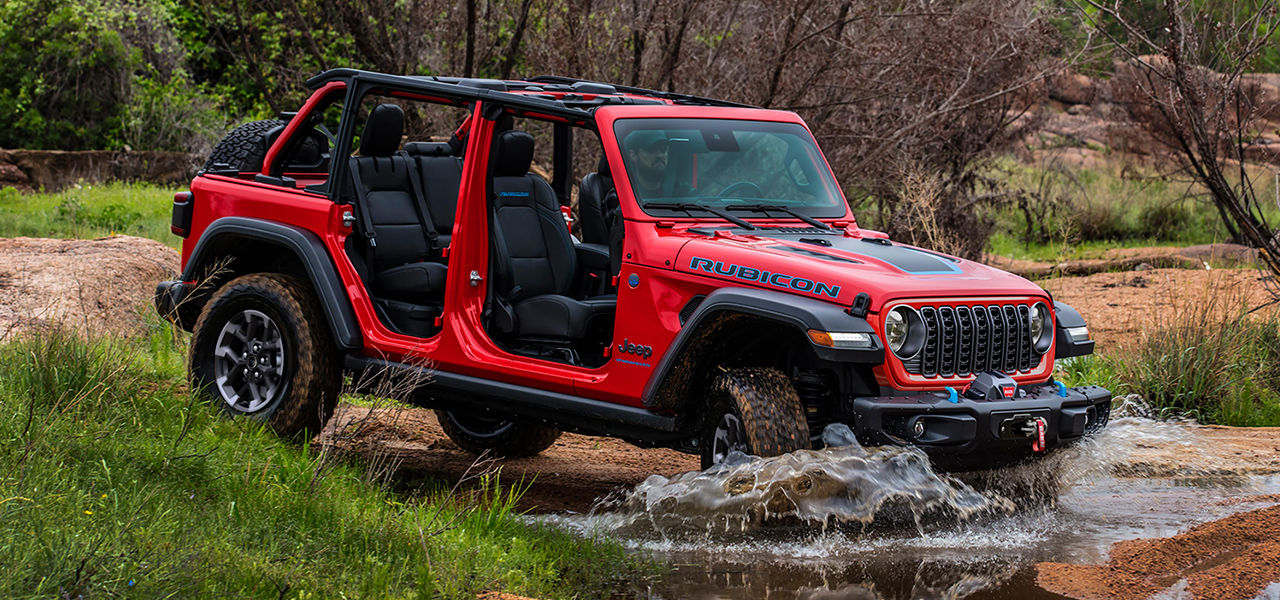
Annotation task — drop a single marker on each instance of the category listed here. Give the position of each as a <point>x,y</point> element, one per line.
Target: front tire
<point>755,411</point>
<point>498,438</point>
<point>261,349</point>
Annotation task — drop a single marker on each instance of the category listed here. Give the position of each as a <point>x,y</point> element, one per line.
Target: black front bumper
<point>959,432</point>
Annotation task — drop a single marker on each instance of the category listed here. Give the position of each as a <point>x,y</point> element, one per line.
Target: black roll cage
<point>458,92</point>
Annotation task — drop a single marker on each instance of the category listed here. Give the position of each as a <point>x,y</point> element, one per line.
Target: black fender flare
<point>1066,318</point>
<point>797,312</point>
<point>304,245</point>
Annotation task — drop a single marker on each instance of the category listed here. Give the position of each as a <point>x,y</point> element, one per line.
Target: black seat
<point>599,215</point>
<point>535,260</point>
<point>597,205</point>
<point>402,240</point>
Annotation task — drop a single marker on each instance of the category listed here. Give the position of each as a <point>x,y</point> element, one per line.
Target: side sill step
<point>565,411</point>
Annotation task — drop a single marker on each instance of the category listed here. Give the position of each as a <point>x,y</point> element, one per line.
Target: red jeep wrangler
<point>718,295</point>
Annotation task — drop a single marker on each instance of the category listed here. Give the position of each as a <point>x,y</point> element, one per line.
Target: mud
<point>569,476</point>
<point>1234,557</point>
<point>579,470</point>
<point>853,523</point>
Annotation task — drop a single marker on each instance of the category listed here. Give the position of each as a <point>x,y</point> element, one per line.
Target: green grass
<point>90,212</point>
<point>116,482</point>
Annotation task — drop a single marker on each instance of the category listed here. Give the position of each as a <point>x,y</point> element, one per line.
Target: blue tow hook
<point>952,396</point>
<point>1062,388</point>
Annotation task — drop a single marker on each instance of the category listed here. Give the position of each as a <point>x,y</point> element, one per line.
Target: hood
<point>836,266</point>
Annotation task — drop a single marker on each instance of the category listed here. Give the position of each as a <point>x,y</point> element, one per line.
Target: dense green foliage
<point>115,481</point>
<point>1076,19</point>
<point>94,74</point>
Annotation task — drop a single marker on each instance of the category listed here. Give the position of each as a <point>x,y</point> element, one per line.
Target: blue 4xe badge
<point>780,280</point>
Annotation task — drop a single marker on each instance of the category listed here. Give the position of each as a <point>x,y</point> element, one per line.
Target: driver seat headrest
<point>513,154</point>
<point>382,131</point>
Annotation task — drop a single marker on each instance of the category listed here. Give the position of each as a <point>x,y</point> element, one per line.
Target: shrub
<point>66,75</point>
<point>1206,358</point>
<point>1103,220</point>
<point>1165,221</point>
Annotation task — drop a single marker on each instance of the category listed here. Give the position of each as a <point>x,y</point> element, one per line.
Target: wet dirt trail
<point>866,523</point>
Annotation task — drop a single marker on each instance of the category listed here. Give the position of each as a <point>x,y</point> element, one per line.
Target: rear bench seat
<point>406,201</point>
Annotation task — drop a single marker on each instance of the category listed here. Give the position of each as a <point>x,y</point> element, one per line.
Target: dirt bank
<point>94,285</point>
<point>54,170</point>
<point>1118,305</point>
<point>1232,558</point>
<point>1130,259</point>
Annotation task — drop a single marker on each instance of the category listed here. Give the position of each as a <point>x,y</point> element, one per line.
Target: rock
<point>1072,88</point>
<point>1227,255</point>
<point>94,286</point>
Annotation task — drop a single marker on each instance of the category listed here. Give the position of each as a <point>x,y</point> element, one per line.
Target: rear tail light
<point>181,222</point>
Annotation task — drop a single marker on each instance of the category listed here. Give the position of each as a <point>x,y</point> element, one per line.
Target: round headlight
<point>904,332</point>
<point>895,330</point>
<point>1041,327</point>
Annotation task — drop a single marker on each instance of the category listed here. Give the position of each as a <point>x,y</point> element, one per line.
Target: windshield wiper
<point>688,206</point>
<point>766,208</point>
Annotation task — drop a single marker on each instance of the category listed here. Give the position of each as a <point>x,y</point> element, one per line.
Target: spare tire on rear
<point>244,148</point>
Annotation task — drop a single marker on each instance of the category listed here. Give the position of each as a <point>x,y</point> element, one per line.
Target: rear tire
<point>755,411</point>
<point>244,147</point>
<point>262,349</point>
<point>498,438</point>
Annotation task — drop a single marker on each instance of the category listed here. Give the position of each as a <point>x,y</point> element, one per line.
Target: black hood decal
<point>904,258</point>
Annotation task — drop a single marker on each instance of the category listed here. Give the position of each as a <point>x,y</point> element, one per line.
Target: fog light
<point>918,430</point>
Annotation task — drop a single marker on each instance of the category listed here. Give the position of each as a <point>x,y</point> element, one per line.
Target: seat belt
<point>366,220</point>
<point>420,202</point>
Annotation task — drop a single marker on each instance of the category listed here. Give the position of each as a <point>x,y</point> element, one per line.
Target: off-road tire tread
<point>769,407</point>
<point>520,441</point>
<point>245,147</point>
<point>317,379</point>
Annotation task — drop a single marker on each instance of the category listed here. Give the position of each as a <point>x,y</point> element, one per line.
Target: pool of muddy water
<point>880,524</point>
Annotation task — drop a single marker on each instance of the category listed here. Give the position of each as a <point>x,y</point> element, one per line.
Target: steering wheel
<point>753,190</point>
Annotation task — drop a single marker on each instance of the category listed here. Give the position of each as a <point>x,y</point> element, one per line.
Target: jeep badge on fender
<point>638,350</point>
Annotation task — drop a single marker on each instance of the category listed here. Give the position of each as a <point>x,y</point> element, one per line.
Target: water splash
<point>842,483</point>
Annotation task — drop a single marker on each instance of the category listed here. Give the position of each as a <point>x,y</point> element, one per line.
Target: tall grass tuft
<point>1204,356</point>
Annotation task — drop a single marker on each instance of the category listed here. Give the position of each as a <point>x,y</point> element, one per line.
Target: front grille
<point>964,340</point>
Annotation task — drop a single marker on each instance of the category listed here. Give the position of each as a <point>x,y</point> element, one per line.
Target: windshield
<point>728,165</point>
